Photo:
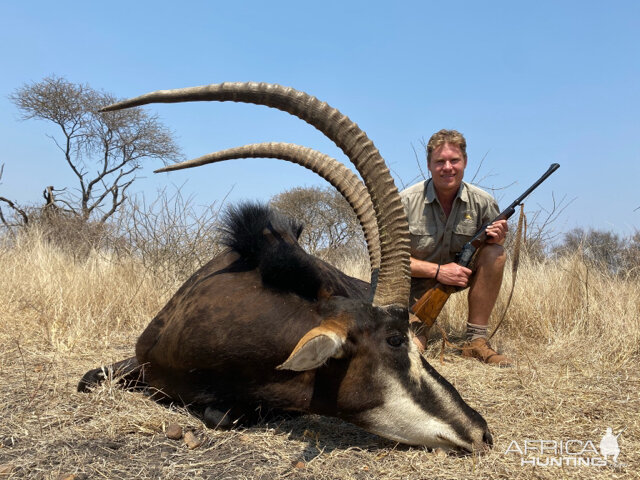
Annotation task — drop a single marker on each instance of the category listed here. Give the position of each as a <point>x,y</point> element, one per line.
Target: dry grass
<point>574,332</point>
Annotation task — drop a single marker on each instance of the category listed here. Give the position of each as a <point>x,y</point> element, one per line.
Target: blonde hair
<point>446,136</point>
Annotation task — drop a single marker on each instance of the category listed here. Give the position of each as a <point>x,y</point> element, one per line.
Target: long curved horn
<point>395,274</point>
<point>334,172</point>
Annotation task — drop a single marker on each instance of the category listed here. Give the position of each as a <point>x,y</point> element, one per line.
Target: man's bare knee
<point>491,255</point>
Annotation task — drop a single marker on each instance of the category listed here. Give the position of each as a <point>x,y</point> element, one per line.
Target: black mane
<point>267,240</point>
<point>244,225</point>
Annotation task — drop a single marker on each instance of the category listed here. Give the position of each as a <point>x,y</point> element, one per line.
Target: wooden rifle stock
<point>429,306</point>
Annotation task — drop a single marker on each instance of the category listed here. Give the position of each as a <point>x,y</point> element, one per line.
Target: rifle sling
<point>521,234</point>
<point>522,228</point>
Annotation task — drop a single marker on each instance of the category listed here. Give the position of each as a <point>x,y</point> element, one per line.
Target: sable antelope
<point>264,323</point>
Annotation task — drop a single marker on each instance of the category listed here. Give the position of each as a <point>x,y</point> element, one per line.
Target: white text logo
<point>572,452</point>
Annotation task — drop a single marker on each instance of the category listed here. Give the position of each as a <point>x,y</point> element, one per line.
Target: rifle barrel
<point>480,237</point>
<point>545,175</point>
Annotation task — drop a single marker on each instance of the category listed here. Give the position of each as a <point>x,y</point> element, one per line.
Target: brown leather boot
<point>481,349</point>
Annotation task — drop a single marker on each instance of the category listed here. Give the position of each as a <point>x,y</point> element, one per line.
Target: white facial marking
<point>416,369</point>
<point>401,418</point>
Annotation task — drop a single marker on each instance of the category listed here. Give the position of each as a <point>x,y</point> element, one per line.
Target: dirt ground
<point>50,431</point>
<point>574,334</point>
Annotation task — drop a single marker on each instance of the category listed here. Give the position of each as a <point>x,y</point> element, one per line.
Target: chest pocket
<point>461,234</point>
<point>423,240</point>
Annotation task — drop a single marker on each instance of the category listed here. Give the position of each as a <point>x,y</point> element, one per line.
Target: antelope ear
<point>316,347</point>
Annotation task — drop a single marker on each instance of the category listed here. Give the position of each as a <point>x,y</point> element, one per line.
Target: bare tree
<point>329,222</point>
<point>631,255</point>
<point>115,142</point>
<point>540,233</point>
<point>16,210</point>
<point>171,235</point>
<point>602,248</point>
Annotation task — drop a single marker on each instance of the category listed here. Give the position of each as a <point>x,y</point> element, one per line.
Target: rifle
<point>428,307</point>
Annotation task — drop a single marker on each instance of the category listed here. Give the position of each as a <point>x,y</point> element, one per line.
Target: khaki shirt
<point>436,238</point>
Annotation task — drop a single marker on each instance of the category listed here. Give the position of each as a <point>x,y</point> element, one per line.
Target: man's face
<point>447,168</point>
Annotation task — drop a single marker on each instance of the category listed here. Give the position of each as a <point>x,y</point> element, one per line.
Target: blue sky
<point>527,83</point>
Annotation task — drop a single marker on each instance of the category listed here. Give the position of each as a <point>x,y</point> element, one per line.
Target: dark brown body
<point>222,335</point>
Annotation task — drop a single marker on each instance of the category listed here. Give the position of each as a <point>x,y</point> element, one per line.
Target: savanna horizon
<point>572,329</point>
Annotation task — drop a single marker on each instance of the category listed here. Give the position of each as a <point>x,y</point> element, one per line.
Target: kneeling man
<point>444,213</point>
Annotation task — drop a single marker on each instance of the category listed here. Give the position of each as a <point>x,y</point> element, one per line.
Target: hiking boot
<point>481,349</point>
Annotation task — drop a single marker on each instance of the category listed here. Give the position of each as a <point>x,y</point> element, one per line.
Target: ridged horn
<point>395,274</point>
<point>334,172</point>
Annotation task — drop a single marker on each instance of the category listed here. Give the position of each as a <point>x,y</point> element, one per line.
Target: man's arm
<point>423,269</point>
<point>449,273</point>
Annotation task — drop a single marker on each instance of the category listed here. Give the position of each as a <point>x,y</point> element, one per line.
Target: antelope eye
<point>396,340</point>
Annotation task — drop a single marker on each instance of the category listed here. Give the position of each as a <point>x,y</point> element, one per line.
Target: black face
<point>391,334</point>
<point>388,330</point>
<point>375,337</point>
<point>396,339</point>
<point>388,388</point>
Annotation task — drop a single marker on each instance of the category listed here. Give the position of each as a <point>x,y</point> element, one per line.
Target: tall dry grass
<point>63,305</point>
<point>573,330</point>
<point>567,302</point>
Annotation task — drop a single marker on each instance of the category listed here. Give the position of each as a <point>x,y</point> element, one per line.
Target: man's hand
<point>454,274</point>
<point>497,232</point>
